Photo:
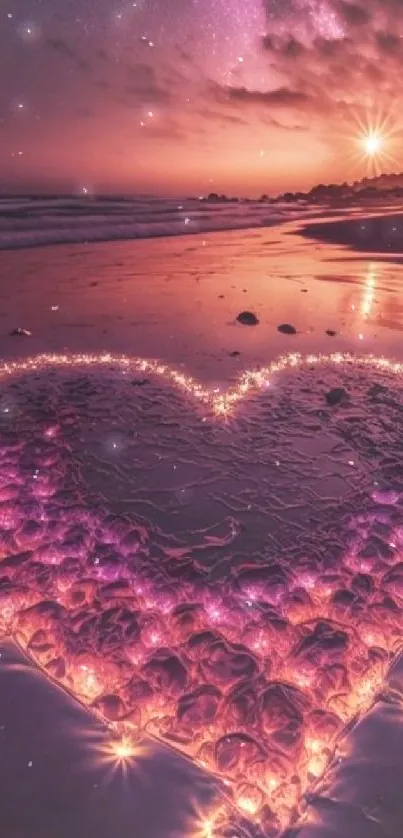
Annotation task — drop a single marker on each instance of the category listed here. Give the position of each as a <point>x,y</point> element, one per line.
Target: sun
<point>372,144</point>
<point>370,138</point>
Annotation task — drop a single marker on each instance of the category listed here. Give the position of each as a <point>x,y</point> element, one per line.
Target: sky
<point>176,97</point>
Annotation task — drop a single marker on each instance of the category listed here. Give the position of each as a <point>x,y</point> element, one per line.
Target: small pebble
<point>337,396</point>
<point>247,318</point>
<point>377,390</point>
<point>287,329</point>
<point>22,333</point>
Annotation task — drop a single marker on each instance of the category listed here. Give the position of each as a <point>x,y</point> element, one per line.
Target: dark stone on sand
<point>376,390</point>
<point>234,354</point>
<point>331,332</point>
<point>93,284</point>
<point>221,296</point>
<point>140,382</point>
<point>304,290</point>
<point>287,329</point>
<point>247,318</point>
<point>22,333</point>
<point>337,396</point>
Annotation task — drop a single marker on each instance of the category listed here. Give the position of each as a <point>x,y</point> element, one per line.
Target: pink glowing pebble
<point>9,492</point>
<point>43,487</point>
<point>225,663</point>
<point>200,707</point>
<point>51,431</point>
<point>154,633</point>
<point>236,752</point>
<point>49,554</point>
<point>387,497</point>
<point>10,515</point>
<point>166,673</point>
<point>110,707</point>
<point>30,535</point>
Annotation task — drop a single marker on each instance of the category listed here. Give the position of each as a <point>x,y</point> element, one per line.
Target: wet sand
<point>178,300</point>
<point>57,780</point>
<point>378,234</point>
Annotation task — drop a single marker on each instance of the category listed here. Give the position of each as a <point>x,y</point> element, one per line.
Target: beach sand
<point>380,234</point>
<point>177,300</point>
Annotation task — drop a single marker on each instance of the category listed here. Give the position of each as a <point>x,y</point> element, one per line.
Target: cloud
<point>281,96</point>
<point>323,79</point>
<point>64,49</point>
<point>329,60</point>
<point>208,114</point>
<point>103,84</point>
<point>144,87</point>
<point>353,14</point>
<point>389,43</point>
<point>85,113</point>
<point>291,48</point>
<point>169,129</point>
<point>102,54</point>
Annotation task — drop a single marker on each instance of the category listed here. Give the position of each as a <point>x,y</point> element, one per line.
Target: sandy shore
<point>57,780</point>
<point>57,783</point>
<point>177,300</point>
<point>380,234</point>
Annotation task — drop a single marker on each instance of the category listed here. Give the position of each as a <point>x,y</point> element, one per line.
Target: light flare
<point>373,138</point>
<point>123,749</point>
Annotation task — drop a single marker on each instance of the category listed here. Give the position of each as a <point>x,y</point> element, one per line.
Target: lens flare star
<point>371,139</point>
<point>123,749</point>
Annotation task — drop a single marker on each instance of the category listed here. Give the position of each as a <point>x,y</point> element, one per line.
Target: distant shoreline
<point>366,234</point>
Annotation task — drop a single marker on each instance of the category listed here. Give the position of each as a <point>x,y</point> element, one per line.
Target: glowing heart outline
<point>218,404</point>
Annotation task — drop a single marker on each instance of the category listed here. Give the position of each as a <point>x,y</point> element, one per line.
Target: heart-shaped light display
<point>253,678</point>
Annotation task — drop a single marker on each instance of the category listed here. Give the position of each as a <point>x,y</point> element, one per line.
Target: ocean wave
<point>33,222</point>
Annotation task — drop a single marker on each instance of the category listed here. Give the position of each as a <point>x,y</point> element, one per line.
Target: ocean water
<point>30,222</point>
